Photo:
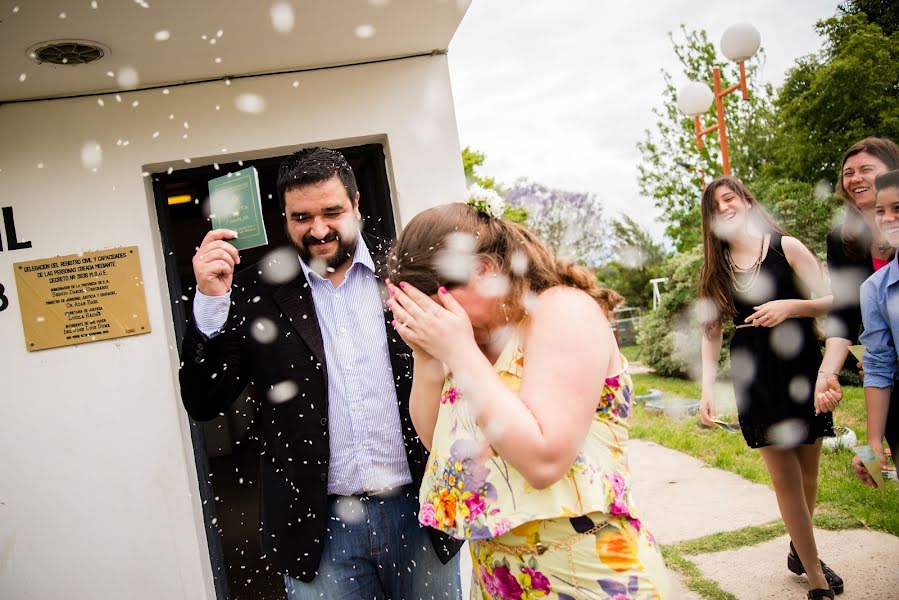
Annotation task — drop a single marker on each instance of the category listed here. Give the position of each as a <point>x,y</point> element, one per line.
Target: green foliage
<point>656,333</point>
<point>472,159</point>
<point>670,336</point>
<point>834,98</point>
<point>884,13</point>
<point>805,213</point>
<point>786,149</point>
<point>638,258</point>
<point>516,214</point>
<point>672,168</point>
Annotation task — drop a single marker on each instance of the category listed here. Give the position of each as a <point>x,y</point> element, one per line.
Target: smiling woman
<point>759,276</point>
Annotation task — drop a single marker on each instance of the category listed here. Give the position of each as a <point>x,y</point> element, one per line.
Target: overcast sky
<point>561,91</point>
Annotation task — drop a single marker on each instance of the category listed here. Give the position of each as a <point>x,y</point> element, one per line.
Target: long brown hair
<point>416,254</point>
<point>854,233</point>
<point>715,276</point>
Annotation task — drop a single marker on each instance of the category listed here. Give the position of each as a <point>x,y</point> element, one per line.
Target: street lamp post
<point>738,43</point>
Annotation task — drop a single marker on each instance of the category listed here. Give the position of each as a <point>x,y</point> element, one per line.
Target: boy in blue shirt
<point>880,316</point>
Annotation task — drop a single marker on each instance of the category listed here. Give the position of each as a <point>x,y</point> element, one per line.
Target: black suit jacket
<point>847,273</point>
<point>293,470</point>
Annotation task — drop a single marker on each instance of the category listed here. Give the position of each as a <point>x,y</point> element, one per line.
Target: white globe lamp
<point>695,98</point>
<point>740,42</point>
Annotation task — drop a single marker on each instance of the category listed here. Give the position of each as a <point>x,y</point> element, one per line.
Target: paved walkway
<point>681,498</point>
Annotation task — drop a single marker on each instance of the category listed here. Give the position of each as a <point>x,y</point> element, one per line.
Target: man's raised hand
<point>214,262</point>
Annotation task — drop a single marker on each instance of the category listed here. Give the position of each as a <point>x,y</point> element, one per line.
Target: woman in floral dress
<point>522,397</point>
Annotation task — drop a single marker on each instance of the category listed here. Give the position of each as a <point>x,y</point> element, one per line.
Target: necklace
<point>749,274</point>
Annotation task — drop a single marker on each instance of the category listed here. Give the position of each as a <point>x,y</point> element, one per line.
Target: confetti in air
<point>800,389</point>
<point>495,285</point>
<point>282,392</point>
<point>350,510</point>
<point>823,189</point>
<point>253,104</point>
<point>788,434</point>
<point>264,330</point>
<point>519,263</point>
<point>456,261</point>
<point>127,77</point>
<point>280,265</point>
<point>162,35</point>
<point>91,155</point>
<point>365,32</point>
<point>786,340</point>
<point>281,14</point>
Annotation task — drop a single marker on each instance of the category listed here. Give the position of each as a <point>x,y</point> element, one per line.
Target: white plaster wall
<point>98,491</point>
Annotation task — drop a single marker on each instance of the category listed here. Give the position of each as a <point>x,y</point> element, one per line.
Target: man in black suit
<point>341,462</point>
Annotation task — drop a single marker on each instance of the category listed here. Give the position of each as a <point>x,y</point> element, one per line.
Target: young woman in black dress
<point>762,278</point>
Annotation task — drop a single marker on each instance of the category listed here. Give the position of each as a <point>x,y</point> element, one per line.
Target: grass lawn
<point>843,502</point>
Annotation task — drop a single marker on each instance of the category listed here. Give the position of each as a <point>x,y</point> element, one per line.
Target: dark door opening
<point>225,450</point>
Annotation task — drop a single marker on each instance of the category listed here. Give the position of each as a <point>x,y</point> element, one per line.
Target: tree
<point>471,159</point>
<point>834,98</point>
<point>638,258</point>
<point>804,210</point>
<point>670,172</point>
<point>571,223</point>
<point>884,13</point>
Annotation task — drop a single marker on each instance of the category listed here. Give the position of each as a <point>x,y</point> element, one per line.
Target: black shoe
<point>820,594</point>
<point>833,580</point>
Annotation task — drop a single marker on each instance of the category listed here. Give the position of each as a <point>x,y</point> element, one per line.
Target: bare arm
<point>424,400</point>
<point>807,268</point>
<point>569,345</point>
<point>711,351</point>
<point>568,348</point>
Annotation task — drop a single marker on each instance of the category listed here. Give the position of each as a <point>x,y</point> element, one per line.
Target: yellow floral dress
<point>579,538</point>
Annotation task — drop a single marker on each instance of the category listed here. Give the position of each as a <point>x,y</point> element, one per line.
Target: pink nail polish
<point>443,290</point>
<point>403,285</point>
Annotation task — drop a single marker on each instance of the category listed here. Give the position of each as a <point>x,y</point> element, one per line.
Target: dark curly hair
<point>314,165</point>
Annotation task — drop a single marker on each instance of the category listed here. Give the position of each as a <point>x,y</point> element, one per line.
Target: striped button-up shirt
<point>365,433</point>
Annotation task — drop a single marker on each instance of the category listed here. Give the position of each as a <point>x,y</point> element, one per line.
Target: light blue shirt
<point>880,316</point>
<point>365,433</point>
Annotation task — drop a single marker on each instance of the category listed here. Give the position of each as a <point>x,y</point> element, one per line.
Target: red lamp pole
<point>721,124</point>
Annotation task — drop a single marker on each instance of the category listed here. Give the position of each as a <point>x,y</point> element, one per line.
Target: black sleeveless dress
<point>774,368</point>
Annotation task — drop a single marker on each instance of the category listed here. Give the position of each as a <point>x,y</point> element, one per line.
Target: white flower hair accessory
<point>486,201</point>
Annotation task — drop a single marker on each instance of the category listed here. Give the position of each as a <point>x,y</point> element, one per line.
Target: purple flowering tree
<point>571,223</point>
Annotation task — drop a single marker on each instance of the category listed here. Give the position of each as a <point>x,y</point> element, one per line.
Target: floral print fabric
<point>471,493</point>
<point>616,562</point>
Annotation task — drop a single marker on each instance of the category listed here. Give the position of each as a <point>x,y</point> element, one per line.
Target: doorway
<point>226,450</point>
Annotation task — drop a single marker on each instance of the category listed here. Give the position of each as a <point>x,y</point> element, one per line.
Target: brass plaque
<point>81,298</point>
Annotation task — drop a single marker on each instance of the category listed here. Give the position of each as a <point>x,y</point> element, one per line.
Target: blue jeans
<point>375,549</point>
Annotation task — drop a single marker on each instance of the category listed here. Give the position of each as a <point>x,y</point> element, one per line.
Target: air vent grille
<point>67,53</point>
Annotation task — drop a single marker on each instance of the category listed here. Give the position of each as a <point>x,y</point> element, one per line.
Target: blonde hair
<point>416,253</point>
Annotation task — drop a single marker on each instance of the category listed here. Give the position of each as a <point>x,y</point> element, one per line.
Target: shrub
<point>671,336</point>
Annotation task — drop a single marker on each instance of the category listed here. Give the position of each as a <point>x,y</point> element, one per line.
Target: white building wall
<point>98,491</point>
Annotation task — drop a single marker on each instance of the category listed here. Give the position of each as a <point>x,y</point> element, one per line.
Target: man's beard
<point>346,248</point>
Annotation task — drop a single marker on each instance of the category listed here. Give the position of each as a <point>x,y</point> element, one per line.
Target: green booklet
<point>235,203</point>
